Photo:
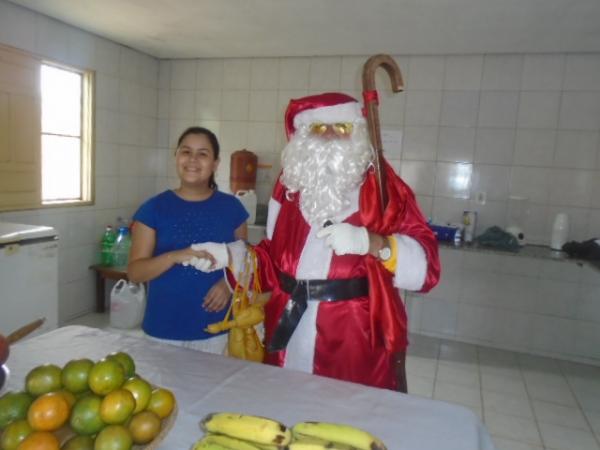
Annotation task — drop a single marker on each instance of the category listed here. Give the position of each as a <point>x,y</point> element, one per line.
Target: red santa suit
<point>354,339</point>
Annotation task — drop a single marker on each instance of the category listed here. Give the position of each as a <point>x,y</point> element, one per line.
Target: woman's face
<point>195,161</point>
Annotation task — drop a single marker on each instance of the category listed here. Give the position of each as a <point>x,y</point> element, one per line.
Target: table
<point>104,273</point>
<point>204,383</point>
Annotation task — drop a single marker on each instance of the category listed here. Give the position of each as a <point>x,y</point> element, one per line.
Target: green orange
<point>85,416</point>
<point>79,443</point>
<point>75,374</point>
<point>43,379</point>
<point>13,406</point>
<point>162,402</point>
<point>144,427</point>
<point>14,434</point>
<point>117,406</point>
<point>126,361</point>
<point>106,376</point>
<point>113,437</point>
<point>141,391</point>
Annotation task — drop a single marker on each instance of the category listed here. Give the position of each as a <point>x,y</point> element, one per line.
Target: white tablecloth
<point>206,383</point>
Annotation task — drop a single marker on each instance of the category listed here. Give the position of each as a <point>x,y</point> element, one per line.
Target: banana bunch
<point>234,431</point>
<point>333,436</point>
<point>242,432</point>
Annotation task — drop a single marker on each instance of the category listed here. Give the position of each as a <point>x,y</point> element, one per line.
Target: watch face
<point>385,253</point>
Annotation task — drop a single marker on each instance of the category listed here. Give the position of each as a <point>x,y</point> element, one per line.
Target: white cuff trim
<point>238,257</point>
<point>411,265</point>
<point>273,213</point>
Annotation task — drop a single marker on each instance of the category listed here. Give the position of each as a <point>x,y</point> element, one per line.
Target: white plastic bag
<point>127,304</point>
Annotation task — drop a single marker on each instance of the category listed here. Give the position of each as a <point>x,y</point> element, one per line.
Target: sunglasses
<point>340,129</point>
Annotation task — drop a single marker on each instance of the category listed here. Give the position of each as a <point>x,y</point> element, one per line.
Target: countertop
<point>527,251</point>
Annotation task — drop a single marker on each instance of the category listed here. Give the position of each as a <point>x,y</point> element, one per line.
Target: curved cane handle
<point>371,102</point>
<point>390,67</point>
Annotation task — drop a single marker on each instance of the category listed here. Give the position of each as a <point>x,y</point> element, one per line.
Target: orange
<point>79,443</point>
<point>48,412</point>
<point>144,427</point>
<point>126,361</point>
<point>117,406</point>
<point>69,397</point>
<point>141,391</point>
<point>75,373</point>
<point>14,434</point>
<point>43,379</point>
<point>40,440</point>
<point>13,406</point>
<point>113,437</point>
<point>85,417</point>
<point>162,402</point>
<point>106,376</point>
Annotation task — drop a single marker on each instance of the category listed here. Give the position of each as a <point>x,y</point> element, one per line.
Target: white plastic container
<point>560,231</point>
<point>127,304</point>
<point>248,199</point>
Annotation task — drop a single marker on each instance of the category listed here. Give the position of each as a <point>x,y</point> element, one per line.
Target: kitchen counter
<point>528,251</point>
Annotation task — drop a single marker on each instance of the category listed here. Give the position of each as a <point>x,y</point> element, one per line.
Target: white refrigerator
<point>28,276</point>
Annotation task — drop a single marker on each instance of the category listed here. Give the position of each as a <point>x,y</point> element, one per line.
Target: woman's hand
<point>185,255</point>
<point>217,297</point>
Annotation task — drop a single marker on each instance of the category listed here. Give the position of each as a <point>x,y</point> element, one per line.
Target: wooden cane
<point>24,331</point>
<point>371,102</point>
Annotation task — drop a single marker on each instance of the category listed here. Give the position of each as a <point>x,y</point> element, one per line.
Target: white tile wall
<point>127,107</point>
<point>501,125</point>
<point>520,125</point>
<point>531,305</point>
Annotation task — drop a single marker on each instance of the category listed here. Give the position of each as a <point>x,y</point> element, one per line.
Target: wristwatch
<point>385,252</point>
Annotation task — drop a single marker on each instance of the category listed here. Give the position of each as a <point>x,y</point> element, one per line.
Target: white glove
<point>345,239</point>
<point>217,250</point>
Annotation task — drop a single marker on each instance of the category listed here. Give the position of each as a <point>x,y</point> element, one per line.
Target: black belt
<point>303,290</point>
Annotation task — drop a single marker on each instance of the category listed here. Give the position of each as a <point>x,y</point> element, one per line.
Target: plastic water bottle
<point>121,247</point>
<point>108,239</point>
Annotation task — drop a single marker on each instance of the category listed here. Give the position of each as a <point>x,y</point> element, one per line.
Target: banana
<point>250,428</point>
<point>227,442</point>
<point>305,445</point>
<point>338,433</point>
<point>203,445</point>
<point>306,441</point>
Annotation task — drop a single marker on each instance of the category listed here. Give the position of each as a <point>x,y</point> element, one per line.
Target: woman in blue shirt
<point>182,301</point>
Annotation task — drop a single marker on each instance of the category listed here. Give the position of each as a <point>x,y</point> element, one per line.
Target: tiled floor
<point>527,402</point>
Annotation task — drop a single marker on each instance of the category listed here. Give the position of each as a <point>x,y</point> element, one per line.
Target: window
<point>46,125</point>
<point>63,150</point>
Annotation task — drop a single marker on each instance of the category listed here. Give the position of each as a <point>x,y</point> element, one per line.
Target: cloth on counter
<point>205,383</point>
<point>589,250</point>
<point>496,237</point>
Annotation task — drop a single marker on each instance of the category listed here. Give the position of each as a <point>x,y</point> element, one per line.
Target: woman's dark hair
<point>214,142</point>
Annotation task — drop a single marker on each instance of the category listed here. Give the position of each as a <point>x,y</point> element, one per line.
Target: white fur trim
<point>300,352</point>
<point>238,257</point>
<point>301,347</point>
<point>273,213</point>
<point>345,112</point>
<point>411,266</point>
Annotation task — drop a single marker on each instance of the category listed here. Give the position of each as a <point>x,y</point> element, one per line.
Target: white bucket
<point>248,199</point>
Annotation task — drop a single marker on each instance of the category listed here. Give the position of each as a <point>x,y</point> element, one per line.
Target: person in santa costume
<point>333,261</point>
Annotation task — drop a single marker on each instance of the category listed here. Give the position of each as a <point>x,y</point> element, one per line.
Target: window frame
<point>87,148</point>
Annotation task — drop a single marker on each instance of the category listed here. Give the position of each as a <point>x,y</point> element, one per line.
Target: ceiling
<point>262,28</point>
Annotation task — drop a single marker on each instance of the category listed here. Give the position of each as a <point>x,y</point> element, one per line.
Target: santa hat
<point>330,107</point>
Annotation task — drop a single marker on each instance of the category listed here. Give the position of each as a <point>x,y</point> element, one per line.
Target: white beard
<point>323,171</point>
